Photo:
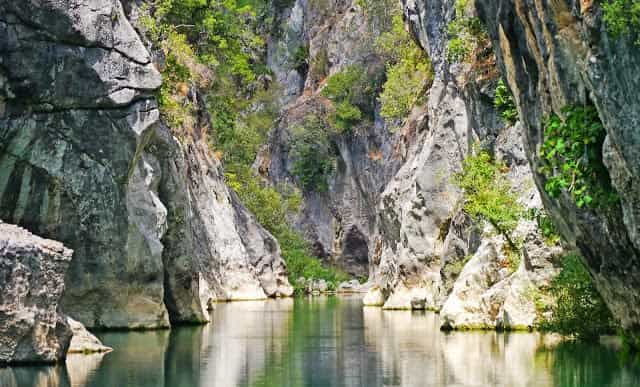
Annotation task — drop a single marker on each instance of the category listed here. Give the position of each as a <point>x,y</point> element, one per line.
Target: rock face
<point>83,160</point>
<point>32,269</point>
<point>556,54</point>
<point>338,223</point>
<point>428,253</point>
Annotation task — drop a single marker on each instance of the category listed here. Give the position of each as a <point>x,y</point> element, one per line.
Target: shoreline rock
<point>32,328</point>
<point>83,341</point>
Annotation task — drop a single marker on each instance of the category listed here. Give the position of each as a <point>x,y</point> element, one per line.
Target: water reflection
<point>328,341</point>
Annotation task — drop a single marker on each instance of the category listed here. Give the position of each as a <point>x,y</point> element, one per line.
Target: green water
<point>329,341</point>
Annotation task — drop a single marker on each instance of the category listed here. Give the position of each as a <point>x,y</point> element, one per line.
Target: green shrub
<point>488,194</point>
<point>578,308</point>
<point>466,35</point>
<point>408,71</point>
<point>352,95</point>
<point>379,13</point>
<point>313,154</point>
<point>545,225</point>
<point>503,102</point>
<point>301,59</point>
<point>572,158</point>
<point>622,17</point>
<point>271,207</point>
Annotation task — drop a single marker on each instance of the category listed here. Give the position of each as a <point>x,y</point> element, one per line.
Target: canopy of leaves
<point>352,92</point>
<point>572,157</point>
<point>466,35</point>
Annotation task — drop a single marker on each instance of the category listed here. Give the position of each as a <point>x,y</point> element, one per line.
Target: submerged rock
<point>32,270</point>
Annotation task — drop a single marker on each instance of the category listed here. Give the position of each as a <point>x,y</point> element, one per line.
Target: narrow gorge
<point>296,170</point>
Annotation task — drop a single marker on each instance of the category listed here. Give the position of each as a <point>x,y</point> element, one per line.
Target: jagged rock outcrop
<point>83,160</point>
<point>339,223</point>
<point>557,54</point>
<point>32,269</point>
<point>429,254</point>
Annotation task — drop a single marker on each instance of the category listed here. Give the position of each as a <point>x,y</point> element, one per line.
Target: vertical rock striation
<point>32,269</point>
<point>83,160</point>
<point>557,54</point>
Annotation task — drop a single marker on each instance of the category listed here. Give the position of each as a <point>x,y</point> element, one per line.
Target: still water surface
<point>329,341</point>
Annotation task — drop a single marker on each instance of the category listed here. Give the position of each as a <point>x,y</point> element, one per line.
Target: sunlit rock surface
<point>429,251</point>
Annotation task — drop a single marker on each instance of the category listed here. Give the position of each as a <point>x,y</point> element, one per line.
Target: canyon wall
<point>557,54</point>
<point>84,160</point>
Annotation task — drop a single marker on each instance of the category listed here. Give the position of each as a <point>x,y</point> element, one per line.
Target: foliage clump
<point>352,93</point>
<point>466,35</point>
<point>622,17</point>
<point>200,38</point>
<point>313,154</point>
<point>572,157</point>
<point>504,103</point>
<point>578,308</point>
<point>488,194</point>
<point>408,71</point>
<point>271,207</point>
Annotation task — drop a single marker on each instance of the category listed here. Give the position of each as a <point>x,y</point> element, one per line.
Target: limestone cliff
<point>339,223</point>
<point>558,54</point>
<point>84,160</point>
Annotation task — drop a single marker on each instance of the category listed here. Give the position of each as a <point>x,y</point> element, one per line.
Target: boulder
<point>32,270</point>
<point>84,341</point>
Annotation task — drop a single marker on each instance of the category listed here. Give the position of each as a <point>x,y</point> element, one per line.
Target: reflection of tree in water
<point>578,364</point>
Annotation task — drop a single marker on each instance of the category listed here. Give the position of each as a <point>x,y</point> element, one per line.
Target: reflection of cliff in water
<point>575,364</point>
<point>328,341</point>
<point>241,339</point>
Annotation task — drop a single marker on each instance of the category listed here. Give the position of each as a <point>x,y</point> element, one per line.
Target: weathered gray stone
<point>430,252</point>
<point>70,158</point>
<point>555,54</point>
<point>32,269</point>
